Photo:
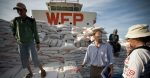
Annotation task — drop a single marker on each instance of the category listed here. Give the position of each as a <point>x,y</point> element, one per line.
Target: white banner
<point>80,19</point>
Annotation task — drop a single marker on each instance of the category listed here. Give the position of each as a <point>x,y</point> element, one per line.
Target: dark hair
<point>115,31</point>
<point>96,30</point>
<point>143,39</point>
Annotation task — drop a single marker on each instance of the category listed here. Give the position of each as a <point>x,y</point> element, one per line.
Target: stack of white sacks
<point>60,37</point>
<point>56,36</point>
<point>65,36</point>
<point>9,56</point>
<point>83,40</point>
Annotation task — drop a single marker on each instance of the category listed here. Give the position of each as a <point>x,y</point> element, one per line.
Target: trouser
<point>95,71</point>
<point>25,49</point>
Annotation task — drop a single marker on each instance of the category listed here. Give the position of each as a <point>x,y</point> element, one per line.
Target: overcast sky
<point>111,14</point>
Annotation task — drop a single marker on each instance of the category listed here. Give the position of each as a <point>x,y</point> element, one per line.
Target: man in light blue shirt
<point>98,55</point>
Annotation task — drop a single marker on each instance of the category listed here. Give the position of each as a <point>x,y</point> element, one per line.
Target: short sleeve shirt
<point>135,62</point>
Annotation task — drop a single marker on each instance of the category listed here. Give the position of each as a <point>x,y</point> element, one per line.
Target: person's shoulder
<point>106,44</point>
<point>142,49</point>
<point>142,55</point>
<point>91,45</point>
<point>31,19</point>
<point>16,18</point>
<point>111,34</point>
<point>141,52</point>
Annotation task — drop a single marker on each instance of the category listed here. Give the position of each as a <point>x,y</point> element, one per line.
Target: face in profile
<point>129,45</point>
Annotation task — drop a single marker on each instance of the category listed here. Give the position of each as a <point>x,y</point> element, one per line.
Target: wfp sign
<point>84,19</point>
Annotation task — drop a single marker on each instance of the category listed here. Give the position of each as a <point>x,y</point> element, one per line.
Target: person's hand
<point>38,47</point>
<point>79,68</point>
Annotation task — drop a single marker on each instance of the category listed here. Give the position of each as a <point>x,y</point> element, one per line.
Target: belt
<point>97,66</point>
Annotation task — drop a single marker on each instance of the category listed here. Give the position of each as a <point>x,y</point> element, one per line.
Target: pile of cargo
<point>56,36</point>
<point>58,44</point>
<point>9,56</point>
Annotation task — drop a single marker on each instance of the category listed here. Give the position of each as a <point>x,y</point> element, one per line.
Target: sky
<point>111,14</point>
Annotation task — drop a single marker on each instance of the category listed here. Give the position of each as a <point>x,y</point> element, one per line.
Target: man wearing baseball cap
<point>20,6</point>
<point>25,32</point>
<point>137,63</point>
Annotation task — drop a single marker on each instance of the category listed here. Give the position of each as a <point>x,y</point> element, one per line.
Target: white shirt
<point>134,63</point>
<point>100,56</point>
